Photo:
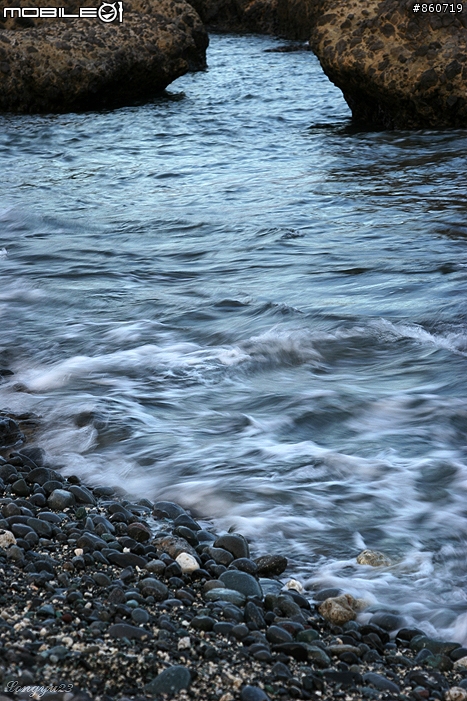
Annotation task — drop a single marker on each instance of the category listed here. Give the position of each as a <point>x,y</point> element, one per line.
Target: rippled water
<point>230,298</point>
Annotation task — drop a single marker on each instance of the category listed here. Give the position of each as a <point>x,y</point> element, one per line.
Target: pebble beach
<point>104,598</point>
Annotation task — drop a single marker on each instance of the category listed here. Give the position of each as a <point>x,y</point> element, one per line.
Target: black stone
<point>253,693</point>
<point>124,630</point>
<point>170,681</point>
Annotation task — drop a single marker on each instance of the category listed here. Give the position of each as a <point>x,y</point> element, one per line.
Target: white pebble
<point>187,562</point>
<point>184,643</point>
<point>295,585</point>
<point>460,664</point>
<point>456,693</point>
<point>6,539</point>
<point>79,552</point>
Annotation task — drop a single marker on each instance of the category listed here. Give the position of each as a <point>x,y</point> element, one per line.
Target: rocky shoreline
<point>103,598</point>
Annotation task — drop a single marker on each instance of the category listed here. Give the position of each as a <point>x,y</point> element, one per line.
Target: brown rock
<point>139,532</point>
<point>340,609</point>
<point>173,546</point>
<point>373,558</point>
<point>59,65</point>
<point>396,68</point>
<point>239,15</point>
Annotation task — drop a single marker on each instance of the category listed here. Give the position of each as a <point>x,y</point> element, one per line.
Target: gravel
<point>103,598</point>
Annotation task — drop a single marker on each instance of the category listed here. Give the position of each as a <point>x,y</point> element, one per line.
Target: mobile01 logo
<point>107,12</point>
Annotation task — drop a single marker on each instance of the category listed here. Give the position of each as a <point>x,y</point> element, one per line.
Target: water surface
<point>231,298</point>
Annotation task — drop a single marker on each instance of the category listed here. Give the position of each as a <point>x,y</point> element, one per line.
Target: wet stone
<point>380,682</point>
<point>139,616</point>
<point>153,587</point>
<point>101,579</point>
<point>244,565</point>
<point>7,471</point>
<point>41,527</point>
<point>60,499</point>
<point>220,556</point>
<point>235,544</point>
<point>441,662</point>
<point>298,651</point>
<point>82,494</point>
<point>345,679</point>
<point>124,630</point>
<point>51,485</point>
<point>387,621</point>
<point>10,433</point>
<point>188,522</point>
<point>253,693</point>
<point>281,671</point>
<point>276,634</point>
<point>156,566</point>
<point>167,509</point>
<point>242,582</point>
<point>139,532</point>
<point>124,559</point>
<point>307,636</point>
<point>170,681</point>
<point>437,647</point>
<point>205,623</point>
<point>253,614</point>
<point>20,488</point>
<point>271,565</point>
<point>39,475</point>
<point>240,631</point>
<point>223,594</point>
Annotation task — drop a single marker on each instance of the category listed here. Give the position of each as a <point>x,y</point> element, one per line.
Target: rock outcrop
<point>239,15</point>
<point>396,68</point>
<point>52,64</point>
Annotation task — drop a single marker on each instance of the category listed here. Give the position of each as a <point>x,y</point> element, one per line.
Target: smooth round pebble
<point>253,693</point>
<point>170,681</point>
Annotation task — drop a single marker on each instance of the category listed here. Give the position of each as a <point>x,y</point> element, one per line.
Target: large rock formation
<point>397,68</point>
<point>59,65</point>
<point>239,15</point>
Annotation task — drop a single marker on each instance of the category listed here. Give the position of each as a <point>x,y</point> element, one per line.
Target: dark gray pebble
<point>60,499</point>
<point>170,681</point>
<point>253,614</point>
<point>81,494</point>
<point>41,527</point>
<point>167,509</point>
<point>187,521</point>
<point>245,583</point>
<point>139,616</point>
<point>253,693</point>
<point>38,476</point>
<point>220,556</point>
<point>276,634</point>
<point>124,630</point>
<point>20,488</point>
<point>101,579</point>
<point>153,587</point>
<point>387,621</point>
<point>124,559</point>
<point>240,631</point>
<point>281,671</point>
<point>244,565</point>
<point>380,682</point>
<point>51,485</point>
<point>222,627</point>
<point>344,678</point>
<point>234,543</point>
<point>298,651</point>
<point>203,623</point>
<point>271,565</point>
